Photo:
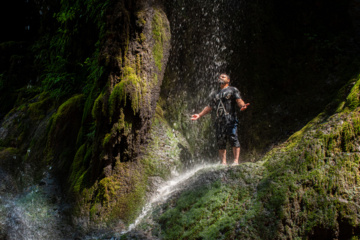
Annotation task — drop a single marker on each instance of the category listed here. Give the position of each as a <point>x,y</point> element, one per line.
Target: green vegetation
<point>63,131</point>
<point>79,168</point>
<point>220,210</point>
<point>123,193</point>
<point>70,66</point>
<point>160,36</point>
<point>304,188</point>
<point>116,109</point>
<point>131,84</point>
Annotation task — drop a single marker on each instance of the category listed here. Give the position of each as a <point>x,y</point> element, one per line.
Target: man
<point>224,103</point>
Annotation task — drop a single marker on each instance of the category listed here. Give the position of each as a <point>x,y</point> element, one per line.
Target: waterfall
<point>204,42</point>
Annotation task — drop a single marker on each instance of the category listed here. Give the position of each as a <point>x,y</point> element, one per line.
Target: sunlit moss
<point>119,196</point>
<point>79,169</point>
<point>130,85</point>
<point>98,108</point>
<point>160,36</point>
<point>353,100</point>
<point>63,111</point>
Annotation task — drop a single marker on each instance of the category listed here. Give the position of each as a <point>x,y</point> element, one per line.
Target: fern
<point>68,69</point>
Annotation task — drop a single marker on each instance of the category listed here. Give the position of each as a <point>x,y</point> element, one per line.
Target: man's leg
<point>234,140</point>
<point>222,155</point>
<point>236,152</point>
<point>221,141</point>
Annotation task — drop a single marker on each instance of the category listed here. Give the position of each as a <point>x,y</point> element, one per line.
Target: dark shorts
<point>227,132</point>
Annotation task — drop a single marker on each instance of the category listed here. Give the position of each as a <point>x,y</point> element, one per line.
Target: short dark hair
<point>227,75</point>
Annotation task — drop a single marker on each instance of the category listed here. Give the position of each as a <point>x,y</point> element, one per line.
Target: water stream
<point>165,191</point>
<point>39,212</point>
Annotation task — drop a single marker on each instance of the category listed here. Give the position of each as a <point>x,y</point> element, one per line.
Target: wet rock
<point>7,184</point>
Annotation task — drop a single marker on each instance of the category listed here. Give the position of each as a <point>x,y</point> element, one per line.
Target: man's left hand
<point>244,107</point>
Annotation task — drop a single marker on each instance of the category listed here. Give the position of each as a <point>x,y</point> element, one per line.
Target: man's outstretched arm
<point>242,105</point>
<point>205,111</point>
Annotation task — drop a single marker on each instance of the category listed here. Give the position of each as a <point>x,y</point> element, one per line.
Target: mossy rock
<point>216,204</point>
<point>115,198</point>
<point>64,127</point>
<point>160,30</point>
<point>168,151</point>
<point>122,193</point>
<point>9,157</point>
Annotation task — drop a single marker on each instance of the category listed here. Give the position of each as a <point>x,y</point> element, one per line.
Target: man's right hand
<point>205,111</point>
<point>195,117</point>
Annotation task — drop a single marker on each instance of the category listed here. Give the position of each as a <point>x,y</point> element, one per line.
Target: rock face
<point>135,53</point>
<point>95,141</point>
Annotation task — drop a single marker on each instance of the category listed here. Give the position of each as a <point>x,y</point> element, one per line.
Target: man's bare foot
<point>235,163</point>
<point>223,163</point>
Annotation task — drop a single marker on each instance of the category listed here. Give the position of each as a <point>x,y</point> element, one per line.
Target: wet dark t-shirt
<point>223,104</point>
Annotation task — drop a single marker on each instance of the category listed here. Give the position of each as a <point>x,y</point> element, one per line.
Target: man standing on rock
<point>224,103</point>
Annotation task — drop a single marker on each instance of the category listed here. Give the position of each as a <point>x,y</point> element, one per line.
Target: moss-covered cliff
<point>88,115</point>
<point>99,93</point>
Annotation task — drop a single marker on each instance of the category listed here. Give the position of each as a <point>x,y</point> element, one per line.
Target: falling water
<point>201,45</point>
<point>205,38</point>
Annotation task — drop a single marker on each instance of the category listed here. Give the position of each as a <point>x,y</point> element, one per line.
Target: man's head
<point>224,79</point>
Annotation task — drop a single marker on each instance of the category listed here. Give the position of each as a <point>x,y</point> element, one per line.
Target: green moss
<point>38,109</point>
<point>130,85</point>
<point>10,151</point>
<point>79,168</point>
<point>159,27</point>
<point>142,38</point>
<point>353,100</point>
<point>98,107</point>
<point>321,167</point>
<point>63,110</point>
<point>141,18</point>
<point>63,131</point>
<point>159,112</point>
<point>106,139</point>
<point>138,64</point>
<point>120,196</point>
<point>121,123</point>
<point>213,211</point>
